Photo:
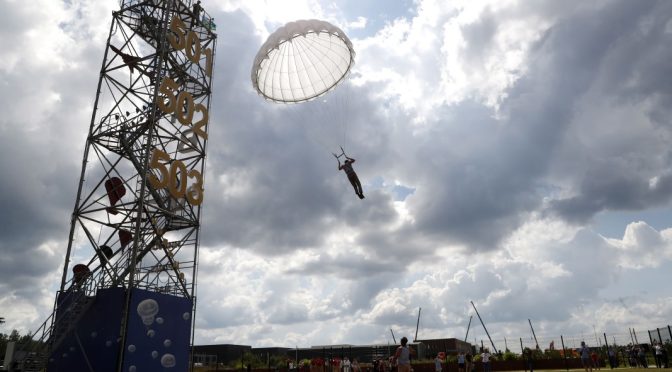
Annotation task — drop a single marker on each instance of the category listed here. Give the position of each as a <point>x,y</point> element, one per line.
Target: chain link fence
<point>573,341</point>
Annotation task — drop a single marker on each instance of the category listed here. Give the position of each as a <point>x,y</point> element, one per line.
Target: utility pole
<point>468,326</point>
<point>486,330</point>
<point>564,352</point>
<point>417,325</point>
<point>535,336</point>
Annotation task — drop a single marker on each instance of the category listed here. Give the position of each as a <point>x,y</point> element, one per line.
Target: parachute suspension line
<point>346,117</point>
<point>344,126</point>
<point>325,120</point>
<point>315,136</point>
<point>307,115</point>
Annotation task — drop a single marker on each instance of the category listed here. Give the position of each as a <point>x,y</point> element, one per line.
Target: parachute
<point>301,61</point>
<point>304,60</point>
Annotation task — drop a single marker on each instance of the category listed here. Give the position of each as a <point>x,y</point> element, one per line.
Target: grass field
<point>620,369</point>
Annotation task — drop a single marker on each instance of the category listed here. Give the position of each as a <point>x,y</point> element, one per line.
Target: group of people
<point>590,359</point>
<point>465,362</point>
<point>335,364</point>
<point>401,359</point>
<point>347,366</point>
<point>635,355</point>
<point>382,364</point>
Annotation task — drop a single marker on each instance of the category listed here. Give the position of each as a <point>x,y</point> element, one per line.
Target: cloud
<point>643,247</point>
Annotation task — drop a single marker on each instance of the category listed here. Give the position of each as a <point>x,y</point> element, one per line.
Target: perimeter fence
<point>593,339</point>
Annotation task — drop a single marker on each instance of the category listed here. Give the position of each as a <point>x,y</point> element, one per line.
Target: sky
<point>513,153</point>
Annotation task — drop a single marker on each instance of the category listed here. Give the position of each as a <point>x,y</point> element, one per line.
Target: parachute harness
<point>342,154</point>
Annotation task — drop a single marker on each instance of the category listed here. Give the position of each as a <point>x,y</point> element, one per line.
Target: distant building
<point>222,353</point>
<point>450,346</point>
<point>265,353</point>
<point>363,353</point>
<point>426,349</point>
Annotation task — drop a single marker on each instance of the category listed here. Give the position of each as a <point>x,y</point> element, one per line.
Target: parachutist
<point>352,176</point>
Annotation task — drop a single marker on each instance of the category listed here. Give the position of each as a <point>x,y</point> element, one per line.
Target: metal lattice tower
<point>136,218</point>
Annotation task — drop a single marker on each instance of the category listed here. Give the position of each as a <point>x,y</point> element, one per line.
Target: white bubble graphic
<point>155,354</point>
<point>168,360</point>
<point>147,309</point>
<point>159,320</point>
<point>186,316</point>
<point>132,369</point>
<point>167,342</point>
<point>151,333</point>
<point>94,334</point>
<point>108,343</point>
<point>131,348</point>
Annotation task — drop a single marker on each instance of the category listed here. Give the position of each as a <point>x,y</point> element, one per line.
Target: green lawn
<point>620,369</point>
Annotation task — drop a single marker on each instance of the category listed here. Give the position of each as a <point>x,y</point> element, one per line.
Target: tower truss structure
<point>136,219</point>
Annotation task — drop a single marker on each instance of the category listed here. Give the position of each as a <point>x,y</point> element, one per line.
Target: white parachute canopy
<point>302,60</point>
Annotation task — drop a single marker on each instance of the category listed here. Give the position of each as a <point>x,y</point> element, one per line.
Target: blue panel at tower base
<point>95,337</point>
<point>159,333</point>
<point>157,338</point>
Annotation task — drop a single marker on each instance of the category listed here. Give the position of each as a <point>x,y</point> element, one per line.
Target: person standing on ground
<point>461,362</point>
<point>596,360</point>
<point>641,356</point>
<point>658,353</point>
<point>469,362</point>
<point>612,358</point>
<point>403,356</point>
<point>355,366</point>
<point>584,352</point>
<point>437,364</point>
<point>529,356</point>
<point>346,365</point>
<point>485,359</point>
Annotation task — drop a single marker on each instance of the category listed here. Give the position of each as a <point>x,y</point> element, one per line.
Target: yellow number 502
<point>182,105</point>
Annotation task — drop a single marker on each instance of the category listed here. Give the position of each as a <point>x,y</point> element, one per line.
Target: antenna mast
<point>417,325</point>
